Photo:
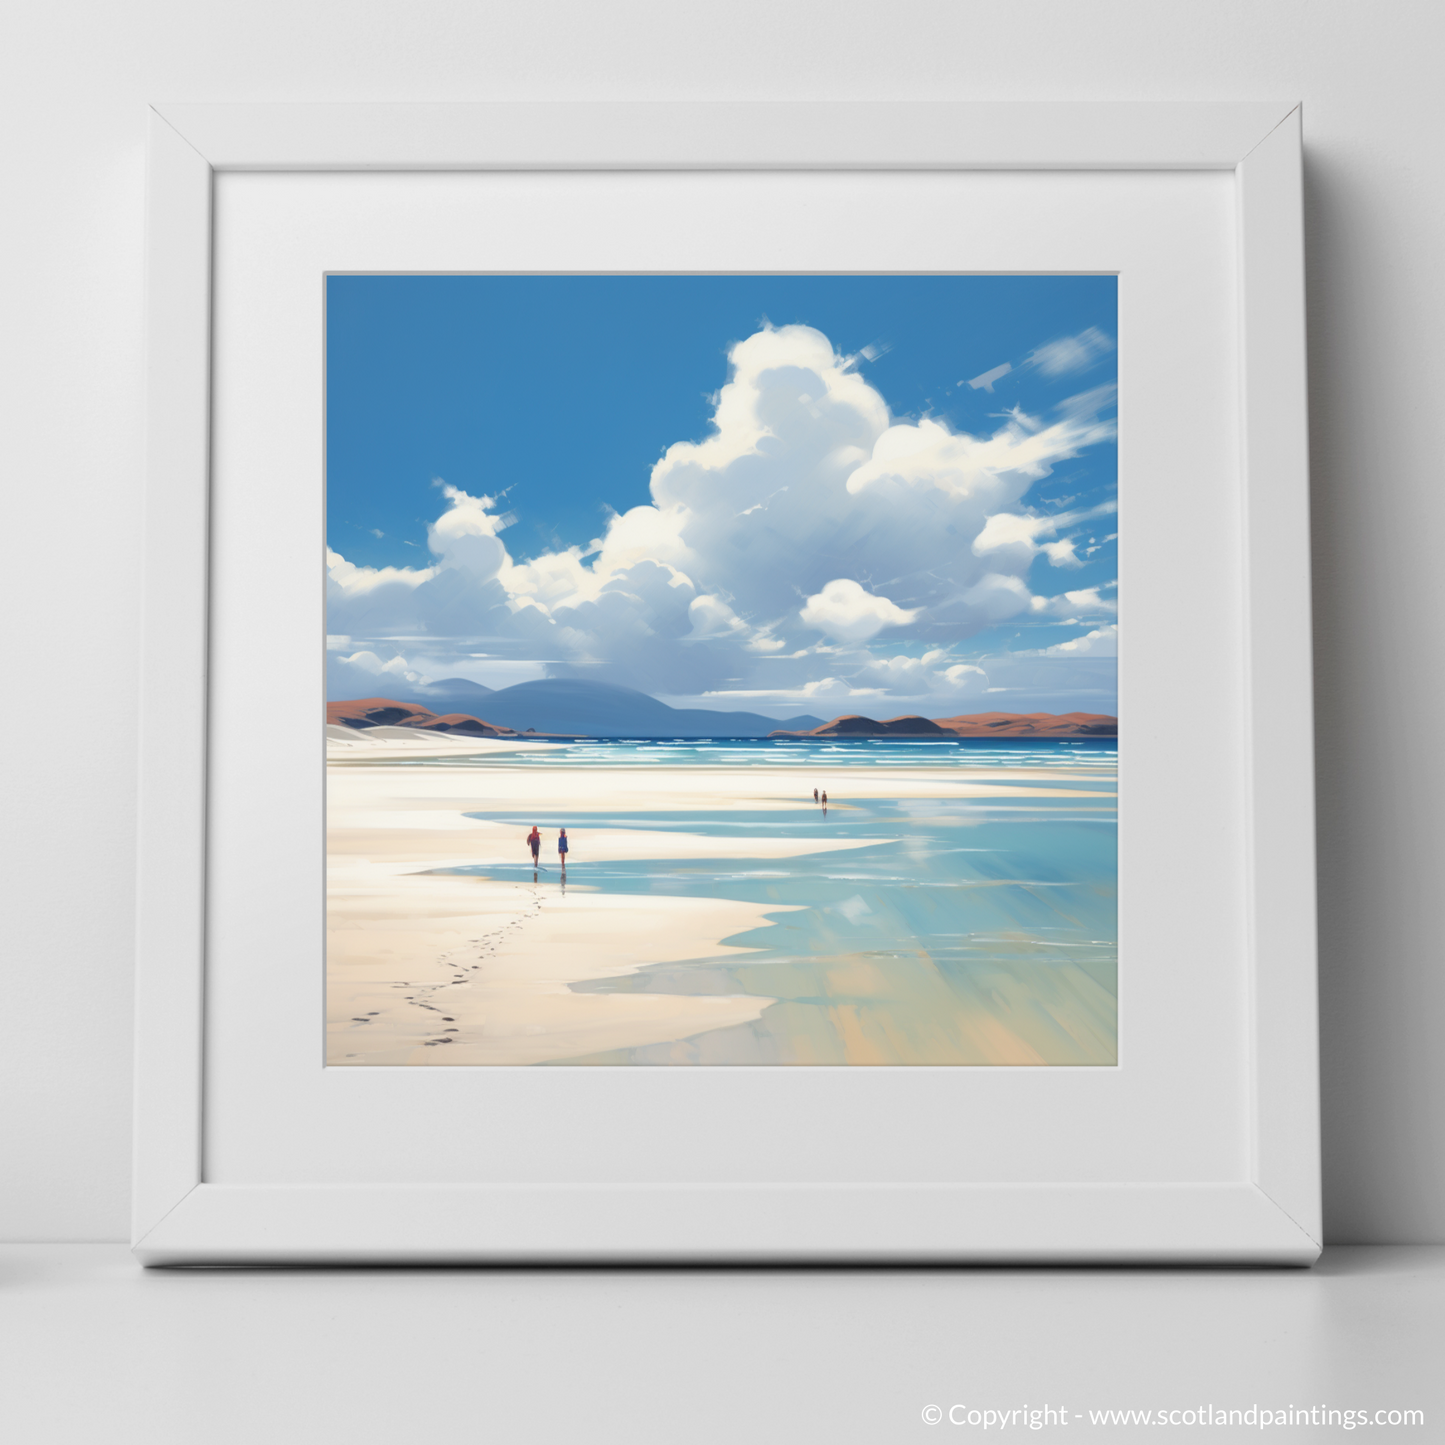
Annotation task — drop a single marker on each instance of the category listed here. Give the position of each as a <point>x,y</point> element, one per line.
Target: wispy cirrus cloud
<point>1071,353</point>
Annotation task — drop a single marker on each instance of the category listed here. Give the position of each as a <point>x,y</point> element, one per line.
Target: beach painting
<point>721,670</point>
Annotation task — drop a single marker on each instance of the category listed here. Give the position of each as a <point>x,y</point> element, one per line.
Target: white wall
<point>75,77</point>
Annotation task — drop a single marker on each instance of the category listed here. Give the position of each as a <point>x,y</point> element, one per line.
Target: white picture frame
<point>1270,1213</point>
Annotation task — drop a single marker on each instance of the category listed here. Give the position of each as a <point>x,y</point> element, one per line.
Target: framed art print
<point>742,695</point>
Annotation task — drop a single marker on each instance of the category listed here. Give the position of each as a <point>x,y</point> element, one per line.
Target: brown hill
<point>855,725</point>
<point>1032,725</point>
<point>913,726</point>
<point>461,722</point>
<point>849,725</point>
<point>971,725</point>
<point>372,712</point>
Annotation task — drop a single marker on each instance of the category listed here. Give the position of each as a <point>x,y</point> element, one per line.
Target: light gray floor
<point>93,1349</point>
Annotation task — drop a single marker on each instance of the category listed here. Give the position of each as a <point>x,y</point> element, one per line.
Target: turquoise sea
<point>964,930</point>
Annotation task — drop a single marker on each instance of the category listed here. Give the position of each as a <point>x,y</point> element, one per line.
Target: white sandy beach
<point>426,967</point>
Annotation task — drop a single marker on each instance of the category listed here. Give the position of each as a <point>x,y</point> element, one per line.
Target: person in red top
<point>534,842</point>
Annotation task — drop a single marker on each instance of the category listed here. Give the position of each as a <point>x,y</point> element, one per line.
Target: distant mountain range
<point>567,706</point>
<point>451,694</point>
<point>577,708</point>
<point>969,725</point>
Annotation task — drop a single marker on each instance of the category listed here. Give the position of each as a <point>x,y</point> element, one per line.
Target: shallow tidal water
<point>969,931</point>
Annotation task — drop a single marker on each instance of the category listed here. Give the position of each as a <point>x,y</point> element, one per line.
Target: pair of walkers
<point>534,844</point>
<point>817,799</point>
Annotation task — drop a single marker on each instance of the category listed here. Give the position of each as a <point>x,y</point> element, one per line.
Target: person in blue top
<point>562,849</point>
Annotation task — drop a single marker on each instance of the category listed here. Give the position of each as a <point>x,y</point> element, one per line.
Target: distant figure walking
<point>825,804</point>
<point>562,847</point>
<point>815,795</point>
<point>534,842</point>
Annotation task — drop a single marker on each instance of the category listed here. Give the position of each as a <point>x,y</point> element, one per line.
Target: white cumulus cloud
<point>845,611</point>
<point>1061,553</point>
<point>934,672</point>
<point>1101,642</point>
<point>806,488</point>
<point>1085,601</point>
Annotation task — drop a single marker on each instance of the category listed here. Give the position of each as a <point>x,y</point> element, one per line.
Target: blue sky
<point>545,402</point>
